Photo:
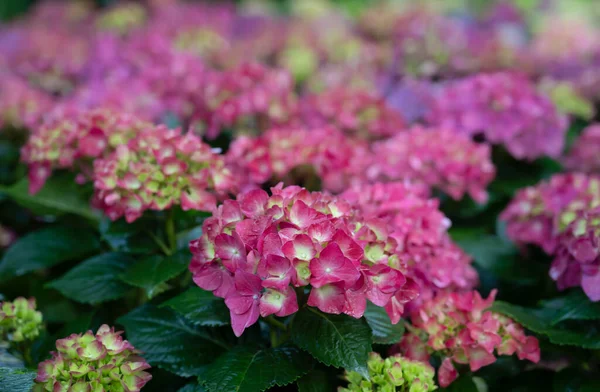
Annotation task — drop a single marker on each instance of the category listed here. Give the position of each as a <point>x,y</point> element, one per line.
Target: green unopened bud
<point>19,320</point>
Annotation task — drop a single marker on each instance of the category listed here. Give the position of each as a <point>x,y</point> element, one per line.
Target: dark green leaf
<point>540,321</point>
<point>573,306</point>
<point>314,381</point>
<point>384,332</point>
<point>192,388</point>
<point>171,342</point>
<point>95,280</point>
<point>46,248</point>
<point>132,237</point>
<point>152,273</point>
<point>464,383</point>
<point>335,340</point>
<point>184,237</point>
<point>245,369</point>
<point>201,307</point>
<point>16,380</point>
<point>60,195</point>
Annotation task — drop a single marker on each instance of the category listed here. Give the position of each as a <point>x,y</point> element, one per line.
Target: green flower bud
<point>394,374</point>
<point>19,321</point>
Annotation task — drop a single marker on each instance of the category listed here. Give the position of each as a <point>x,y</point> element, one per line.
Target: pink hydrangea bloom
<point>72,139</point>
<point>538,214</point>
<point>583,155</point>
<point>356,112</point>
<point>438,157</point>
<point>420,229</point>
<point>577,260</point>
<point>82,363</point>
<point>507,110</point>
<point>460,328</point>
<point>250,96</point>
<point>254,251</point>
<point>156,169</point>
<point>21,106</point>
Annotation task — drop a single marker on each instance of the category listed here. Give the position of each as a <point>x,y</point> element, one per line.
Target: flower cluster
<point>21,105</point>
<point>538,214</point>
<point>159,168</point>
<point>437,157</point>
<point>358,113</point>
<point>260,251</point>
<point>394,373</point>
<point>72,139</point>
<point>87,362</point>
<point>507,110</point>
<point>420,229</point>
<point>19,320</point>
<point>460,328</point>
<point>583,155</point>
<point>250,97</point>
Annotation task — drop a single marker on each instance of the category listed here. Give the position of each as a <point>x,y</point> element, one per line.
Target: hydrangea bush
<point>308,195</point>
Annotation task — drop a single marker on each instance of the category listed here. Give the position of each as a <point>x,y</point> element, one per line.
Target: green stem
<point>170,227</point>
<point>159,242</point>
<point>273,335</point>
<point>275,323</point>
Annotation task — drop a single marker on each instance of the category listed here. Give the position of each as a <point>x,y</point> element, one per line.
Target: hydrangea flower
<point>159,168</point>
<point>538,214</point>
<point>507,110</point>
<point>577,260</point>
<point>459,328</point>
<point>87,362</point>
<point>7,237</point>
<point>394,373</point>
<point>583,155</point>
<point>250,96</point>
<point>19,320</point>
<point>356,112</point>
<point>71,139</point>
<point>421,230</point>
<point>258,251</point>
<point>21,105</point>
<point>438,157</point>
<point>123,18</point>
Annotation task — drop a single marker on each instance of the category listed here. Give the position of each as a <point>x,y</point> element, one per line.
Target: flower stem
<point>170,227</point>
<point>275,323</point>
<point>165,249</point>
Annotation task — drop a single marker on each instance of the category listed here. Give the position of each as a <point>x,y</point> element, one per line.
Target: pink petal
<point>329,298</point>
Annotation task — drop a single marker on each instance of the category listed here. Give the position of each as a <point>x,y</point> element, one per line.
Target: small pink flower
<point>331,267</point>
<point>243,303</point>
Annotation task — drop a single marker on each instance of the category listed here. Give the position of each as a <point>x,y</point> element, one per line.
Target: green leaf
<point>171,342</point>
<point>193,387</point>
<point>132,237</point>
<point>152,273</point>
<point>46,248</point>
<point>16,380</point>
<point>200,306</point>
<point>245,369</point>
<point>540,321</point>
<point>95,280</point>
<point>314,381</point>
<point>60,195</point>
<point>336,340</point>
<point>574,306</point>
<point>464,383</point>
<point>384,332</point>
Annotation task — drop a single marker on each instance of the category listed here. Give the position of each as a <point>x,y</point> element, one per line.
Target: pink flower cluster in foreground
<point>584,155</point>
<point>260,251</point>
<point>506,108</point>
<point>159,168</point>
<point>559,216</point>
<point>577,260</point>
<point>460,328</point>
<point>93,362</point>
<point>72,139</point>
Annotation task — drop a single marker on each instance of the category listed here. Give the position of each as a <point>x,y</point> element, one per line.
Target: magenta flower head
<point>87,362</point>
<point>421,231</point>
<point>356,112</point>
<point>507,110</point>
<point>259,250</point>
<point>72,139</point>
<point>538,214</point>
<point>157,169</point>
<point>248,97</point>
<point>437,157</point>
<point>463,331</point>
<point>21,106</point>
<point>577,260</point>
<point>583,155</point>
